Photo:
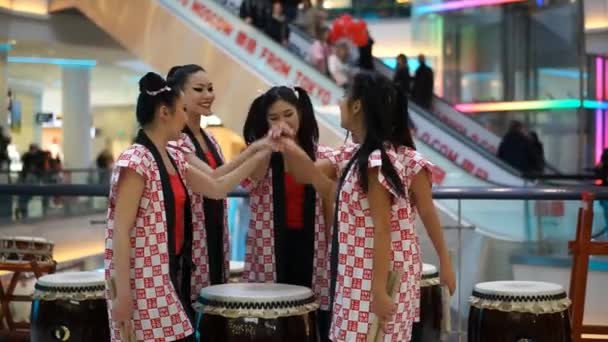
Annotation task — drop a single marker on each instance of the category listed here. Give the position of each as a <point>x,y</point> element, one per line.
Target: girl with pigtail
<point>286,215</point>
<point>382,185</point>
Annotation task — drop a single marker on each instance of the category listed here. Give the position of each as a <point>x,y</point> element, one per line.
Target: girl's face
<point>199,95</point>
<point>283,112</point>
<point>174,119</point>
<point>350,116</point>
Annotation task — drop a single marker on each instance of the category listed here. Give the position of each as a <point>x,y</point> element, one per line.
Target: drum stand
<point>15,331</point>
<point>581,249</point>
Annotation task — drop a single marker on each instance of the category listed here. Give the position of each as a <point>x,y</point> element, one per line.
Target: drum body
<point>428,329</point>
<point>20,249</point>
<point>257,312</point>
<point>70,306</point>
<point>518,311</point>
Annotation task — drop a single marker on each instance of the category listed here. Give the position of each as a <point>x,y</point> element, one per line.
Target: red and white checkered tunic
<point>352,301</point>
<point>158,314</point>
<point>259,254</point>
<point>200,256</point>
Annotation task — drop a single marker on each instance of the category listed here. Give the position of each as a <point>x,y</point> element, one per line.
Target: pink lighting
<point>461,4</point>
<point>599,73</point>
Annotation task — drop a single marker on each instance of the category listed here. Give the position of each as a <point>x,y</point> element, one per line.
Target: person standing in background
<point>310,18</point>
<point>538,163</point>
<point>402,76</point>
<point>5,140</point>
<point>290,9</point>
<point>320,50</point>
<point>366,58</point>
<point>338,66</point>
<point>256,12</point>
<point>422,91</point>
<point>277,27</point>
<point>516,149</point>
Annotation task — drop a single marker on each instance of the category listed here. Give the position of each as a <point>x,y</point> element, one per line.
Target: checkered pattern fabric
<point>200,256</point>
<point>259,254</point>
<point>158,314</point>
<point>351,312</point>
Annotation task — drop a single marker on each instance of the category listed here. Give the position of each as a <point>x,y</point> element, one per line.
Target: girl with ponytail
<point>382,185</point>
<point>288,212</point>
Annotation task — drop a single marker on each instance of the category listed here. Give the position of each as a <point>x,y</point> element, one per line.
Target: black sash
<point>281,252</point>
<point>214,215</point>
<point>335,243</point>
<point>179,265</point>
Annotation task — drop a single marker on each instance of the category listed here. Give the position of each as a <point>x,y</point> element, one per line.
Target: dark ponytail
<point>308,134</point>
<point>154,92</point>
<point>385,118</point>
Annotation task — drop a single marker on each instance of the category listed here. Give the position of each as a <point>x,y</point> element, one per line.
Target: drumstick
<point>126,337</point>
<point>392,287</point>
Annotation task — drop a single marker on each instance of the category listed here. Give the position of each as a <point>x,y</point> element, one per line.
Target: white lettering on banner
<point>262,50</point>
<point>453,156</point>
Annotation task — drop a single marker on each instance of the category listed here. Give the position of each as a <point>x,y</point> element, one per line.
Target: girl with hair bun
<point>288,212</point>
<point>383,184</point>
<point>148,251</point>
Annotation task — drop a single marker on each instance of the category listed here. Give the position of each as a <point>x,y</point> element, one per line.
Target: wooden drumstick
<point>392,287</point>
<point>125,336</point>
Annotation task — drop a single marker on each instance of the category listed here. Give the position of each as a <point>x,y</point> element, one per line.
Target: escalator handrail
<point>448,193</point>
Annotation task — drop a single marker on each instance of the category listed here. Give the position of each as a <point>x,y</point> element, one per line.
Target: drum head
<point>520,296</point>
<point>73,279</point>
<point>519,288</point>
<point>26,239</point>
<point>256,300</point>
<point>428,269</point>
<point>71,285</point>
<point>256,293</point>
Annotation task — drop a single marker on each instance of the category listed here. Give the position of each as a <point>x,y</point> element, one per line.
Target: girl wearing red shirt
<point>286,241</point>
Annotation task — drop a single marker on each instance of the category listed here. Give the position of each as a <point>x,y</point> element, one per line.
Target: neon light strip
<point>599,75</point>
<point>605,129</point>
<point>5,47</point>
<point>599,143</point>
<point>529,105</point>
<point>54,61</point>
<point>457,5</point>
<point>606,79</point>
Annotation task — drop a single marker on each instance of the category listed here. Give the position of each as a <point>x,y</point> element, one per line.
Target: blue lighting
<point>82,63</point>
<point>412,63</point>
<point>5,47</point>
<point>591,104</point>
<point>561,73</point>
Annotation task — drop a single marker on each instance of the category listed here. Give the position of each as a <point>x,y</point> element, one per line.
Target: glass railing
<point>548,220</point>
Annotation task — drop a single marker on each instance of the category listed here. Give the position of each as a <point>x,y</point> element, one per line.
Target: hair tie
<point>295,91</point>
<point>154,93</point>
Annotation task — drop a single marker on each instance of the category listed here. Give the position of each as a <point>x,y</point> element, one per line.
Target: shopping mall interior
<point>508,99</point>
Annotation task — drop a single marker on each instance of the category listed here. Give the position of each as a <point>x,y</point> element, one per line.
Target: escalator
<point>243,62</point>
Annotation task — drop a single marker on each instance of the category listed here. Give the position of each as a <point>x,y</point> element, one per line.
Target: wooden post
<point>581,248</point>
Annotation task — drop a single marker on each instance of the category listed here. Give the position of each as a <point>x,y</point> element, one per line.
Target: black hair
<point>154,92</point>
<point>256,125</point>
<point>179,74</point>
<point>385,116</point>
